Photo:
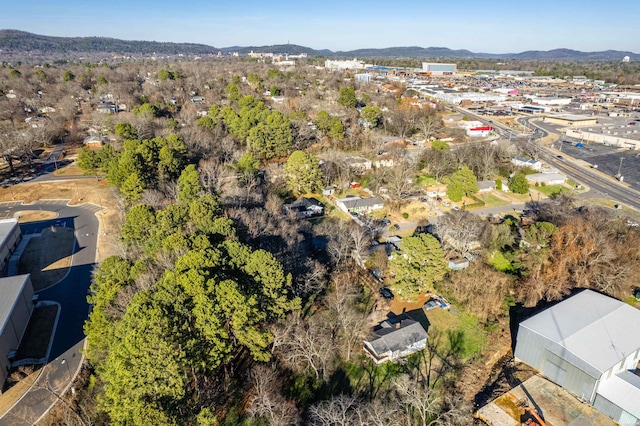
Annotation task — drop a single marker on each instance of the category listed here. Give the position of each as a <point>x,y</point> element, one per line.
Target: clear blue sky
<point>498,26</point>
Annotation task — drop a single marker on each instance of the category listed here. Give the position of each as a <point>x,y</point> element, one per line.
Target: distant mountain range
<point>15,41</point>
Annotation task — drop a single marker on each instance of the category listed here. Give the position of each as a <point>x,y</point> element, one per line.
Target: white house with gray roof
<point>395,338</point>
<point>360,205</point>
<point>588,344</point>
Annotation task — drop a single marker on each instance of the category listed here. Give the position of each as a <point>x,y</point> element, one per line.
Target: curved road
<point>71,292</point>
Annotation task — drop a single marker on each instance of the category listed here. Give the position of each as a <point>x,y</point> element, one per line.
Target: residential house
<point>589,345</point>
<point>360,205</point>
<point>106,107</point>
<point>547,178</point>
<point>305,208</point>
<point>358,164</point>
<point>527,162</point>
<point>485,186</point>
<point>330,190</point>
<point>94,141</point>
<point>383,160</point>
<point>397,337</point>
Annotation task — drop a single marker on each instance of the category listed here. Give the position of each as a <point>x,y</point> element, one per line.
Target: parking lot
<point>607,158</point>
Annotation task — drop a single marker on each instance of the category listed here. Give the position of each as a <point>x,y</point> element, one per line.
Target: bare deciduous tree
<point>266,398</point>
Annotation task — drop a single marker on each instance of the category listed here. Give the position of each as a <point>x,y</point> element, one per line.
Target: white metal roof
<point>595,328</point>
<point>10,289</point>
<point>624,391</point>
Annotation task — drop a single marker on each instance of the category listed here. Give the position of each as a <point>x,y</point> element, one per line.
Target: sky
<point>500,26</point>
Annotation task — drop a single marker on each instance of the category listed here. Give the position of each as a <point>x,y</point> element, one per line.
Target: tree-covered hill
<point>21,41</point>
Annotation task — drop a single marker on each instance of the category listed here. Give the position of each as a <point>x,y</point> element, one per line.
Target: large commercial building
<point>354,64</point>
<point>10,236</point>
<point>438,69</point>
<point>621,137</point>
<point>16,306</point>
<point>571,120</point>
<point>589,345</point>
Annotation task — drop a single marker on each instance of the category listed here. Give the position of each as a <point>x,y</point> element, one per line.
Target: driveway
<point>65,358</point>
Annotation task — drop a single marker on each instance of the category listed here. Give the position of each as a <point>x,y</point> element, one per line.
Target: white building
<point>527,162</point>
<point>439,69</point>
<point>588,344</point>
<point>547,178</point>
<point>353,64</point>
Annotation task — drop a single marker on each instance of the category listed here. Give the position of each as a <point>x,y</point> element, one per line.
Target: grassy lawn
<point>36,215</point>
<point>425,180</point>
<point>48,257</point>
<point>550,190</point>
<point>36,338</point>
<point>517,198</point>
<point>491,200</point>
<point>416,211</point>
<point>472,336</point>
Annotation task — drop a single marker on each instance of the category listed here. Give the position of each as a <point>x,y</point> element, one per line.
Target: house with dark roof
<point>588,344</point>
<point>305,207</point>
<point>397,337</point>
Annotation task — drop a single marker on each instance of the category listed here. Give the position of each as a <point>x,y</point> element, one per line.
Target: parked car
<point>386,293</point>
<point>455,207</point>
<point>445,203</point>
<point>431,304</point>
<point>385,222</point>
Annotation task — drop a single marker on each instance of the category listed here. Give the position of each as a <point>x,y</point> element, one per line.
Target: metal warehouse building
<point>16,306</point>
<point>10,236</point>
<point>588,344</point>
<point>438,69</point>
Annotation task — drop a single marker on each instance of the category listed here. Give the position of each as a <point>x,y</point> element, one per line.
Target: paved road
<point>601,186</point>
<point>70,293</point>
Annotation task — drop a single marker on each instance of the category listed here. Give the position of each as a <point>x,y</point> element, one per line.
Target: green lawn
<point>550,190</point>
<point>425,180</point>
<point>472,336</point>
<point>491,200</point>
<point>517,198</point>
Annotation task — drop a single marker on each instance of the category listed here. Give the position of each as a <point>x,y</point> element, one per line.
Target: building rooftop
<point>10,289</point>
<point>572,117</point>
<point>351,202</point>
<point>398,336</point>
<point>624,389</point>
<point>6,226</point>
<point>599,330</point>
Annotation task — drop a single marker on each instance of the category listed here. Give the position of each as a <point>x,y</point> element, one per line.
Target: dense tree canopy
<point>303,173</point>
<point>417,266</point>
<point>462,183</point>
